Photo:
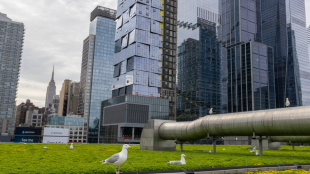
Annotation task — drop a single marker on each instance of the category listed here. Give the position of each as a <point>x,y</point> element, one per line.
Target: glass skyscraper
<point>250,64</point>
<point>199,72</point>
<point>97,68</point>
<point>145,50</point>
<point>11,46</point>
<point>283,27</point>
<point>199,58</point>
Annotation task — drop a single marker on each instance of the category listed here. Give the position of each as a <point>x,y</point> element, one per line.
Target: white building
<point>33,117</point>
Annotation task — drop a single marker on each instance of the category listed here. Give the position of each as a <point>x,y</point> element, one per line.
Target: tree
<point>188,115</point>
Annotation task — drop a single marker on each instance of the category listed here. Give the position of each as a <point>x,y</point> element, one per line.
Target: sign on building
<point>55,136</point>
<point>27,135</point>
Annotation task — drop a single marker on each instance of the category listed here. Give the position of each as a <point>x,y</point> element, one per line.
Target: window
<point>34,117</point>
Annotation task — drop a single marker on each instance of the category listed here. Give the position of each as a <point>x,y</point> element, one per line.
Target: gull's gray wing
<point>176,162</point>
<point>113,159</point>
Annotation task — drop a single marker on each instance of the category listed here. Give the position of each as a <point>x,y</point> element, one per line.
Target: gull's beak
<point>184,156</point>
<point>130,147</point>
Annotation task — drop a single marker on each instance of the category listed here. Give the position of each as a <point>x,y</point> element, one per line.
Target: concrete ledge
<point>232,170</point>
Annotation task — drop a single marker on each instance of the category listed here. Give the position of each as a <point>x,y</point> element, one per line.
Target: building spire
<point>52,75</point>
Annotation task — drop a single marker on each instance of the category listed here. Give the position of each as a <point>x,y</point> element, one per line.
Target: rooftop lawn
<point>33,158</point>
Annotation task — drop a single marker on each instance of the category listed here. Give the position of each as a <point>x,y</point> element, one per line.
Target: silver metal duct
<point>276,122</point>
<point>291,139</point>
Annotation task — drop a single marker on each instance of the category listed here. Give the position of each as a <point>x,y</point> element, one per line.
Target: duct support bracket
<point>214,145</point>
<point>261,146</point>
<point>181,143</point>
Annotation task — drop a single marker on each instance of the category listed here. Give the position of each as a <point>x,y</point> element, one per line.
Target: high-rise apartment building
<point>283,27</point>
<point>64,98</point>
<point>97,68</point>
<point>199,58</point>
<point>11,46</point>
<point>250,64</point>
<point>308,36</point>
<point>51,91</point>
<point>73,98</point>
<point>145,50</point>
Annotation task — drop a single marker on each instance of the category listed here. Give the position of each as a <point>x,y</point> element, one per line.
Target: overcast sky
<point>55,30</point>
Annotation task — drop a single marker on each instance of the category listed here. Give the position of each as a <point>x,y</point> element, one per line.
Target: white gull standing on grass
<point>71,147</point>
<point>118,158</point>
<point>178,162</point>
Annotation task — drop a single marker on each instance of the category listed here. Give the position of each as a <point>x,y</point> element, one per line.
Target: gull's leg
<point>118,170</point>
<point>115,169</point>
<point>119,166</point>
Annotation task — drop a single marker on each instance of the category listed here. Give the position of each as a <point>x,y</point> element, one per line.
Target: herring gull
<point>118,158</point>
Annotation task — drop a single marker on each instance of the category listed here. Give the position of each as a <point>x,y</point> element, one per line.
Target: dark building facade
<point>123,118</point>
<point>279,24</point>
<point>199,72</point>
<point>283,27</point>
<point>250,64</point>
<point>250,77</point>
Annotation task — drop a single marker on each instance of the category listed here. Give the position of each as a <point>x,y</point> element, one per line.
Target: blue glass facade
<point>199,72</point>
<point>145,50</point>
<point>138,53</point>
<point>102,71</point>
<point>65,120</point>
<point>97,68</point>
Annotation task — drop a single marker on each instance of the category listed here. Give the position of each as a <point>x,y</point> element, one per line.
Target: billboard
<point>55,136</point>
<point>27,135</point>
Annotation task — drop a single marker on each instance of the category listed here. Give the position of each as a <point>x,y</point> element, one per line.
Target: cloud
<point>55,30</point>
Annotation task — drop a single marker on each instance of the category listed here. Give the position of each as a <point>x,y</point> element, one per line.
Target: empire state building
<point>51,91</point>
